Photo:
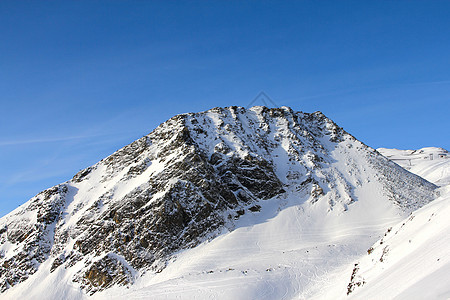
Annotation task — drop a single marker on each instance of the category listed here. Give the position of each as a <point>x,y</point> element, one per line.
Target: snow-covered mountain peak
<point>196,177</point>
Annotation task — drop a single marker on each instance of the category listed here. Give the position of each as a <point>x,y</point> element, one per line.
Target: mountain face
<point>190,180</point>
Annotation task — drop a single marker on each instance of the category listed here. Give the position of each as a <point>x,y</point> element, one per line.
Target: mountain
<point>256,203</point>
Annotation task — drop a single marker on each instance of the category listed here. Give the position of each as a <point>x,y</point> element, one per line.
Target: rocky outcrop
<point>33,233</point>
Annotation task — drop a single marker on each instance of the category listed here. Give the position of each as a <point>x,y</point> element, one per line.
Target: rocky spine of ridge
<point>184,183</point>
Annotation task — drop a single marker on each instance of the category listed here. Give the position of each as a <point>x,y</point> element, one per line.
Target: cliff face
<point>186,182</point>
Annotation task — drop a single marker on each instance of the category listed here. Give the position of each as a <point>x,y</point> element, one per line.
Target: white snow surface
<point>431,163</point>
<point>293,248</point>
<point>284,252</point>
<point>412,261</point>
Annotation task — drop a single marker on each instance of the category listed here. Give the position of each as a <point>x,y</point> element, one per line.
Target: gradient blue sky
<point>81,79</point>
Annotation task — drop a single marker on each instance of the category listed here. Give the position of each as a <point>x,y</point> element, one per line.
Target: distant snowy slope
<point>412,261</point>
<point>431,163</point>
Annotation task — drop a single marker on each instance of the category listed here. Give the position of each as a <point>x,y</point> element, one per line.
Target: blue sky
<point>81,79</point>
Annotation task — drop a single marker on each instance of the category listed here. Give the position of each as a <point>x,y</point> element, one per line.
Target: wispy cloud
<point>32,175</point>
<point>75,138</point>
<point>428,82</point>
<point>46,140</point>
<point>104,128</point>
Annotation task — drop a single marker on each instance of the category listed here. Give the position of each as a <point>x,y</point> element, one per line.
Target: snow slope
<point>227,203</point>
<point>431,163</point>
<point>412,261</point>
<point>282,252</point>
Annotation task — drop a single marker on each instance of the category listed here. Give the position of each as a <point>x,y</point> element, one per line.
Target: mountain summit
<point>196,177</point>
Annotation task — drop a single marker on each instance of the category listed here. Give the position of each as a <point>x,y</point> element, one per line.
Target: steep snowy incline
<point>267,198</point>
<point>412,260</point>
<point>431,163</point>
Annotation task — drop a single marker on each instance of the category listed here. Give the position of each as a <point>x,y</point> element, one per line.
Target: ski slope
<point>412,261</point>
<point>431,163</point>
<point>284,252</point>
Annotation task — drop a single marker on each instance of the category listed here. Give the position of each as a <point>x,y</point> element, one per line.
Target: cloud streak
<point>46,140</point>
<point>58,139</point>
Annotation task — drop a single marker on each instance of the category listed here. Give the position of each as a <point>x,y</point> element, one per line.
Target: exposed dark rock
<point>106,272</point>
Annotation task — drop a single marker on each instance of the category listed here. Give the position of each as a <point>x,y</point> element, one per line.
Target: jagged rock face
<point>33,232</point>
<point>184,183</point>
